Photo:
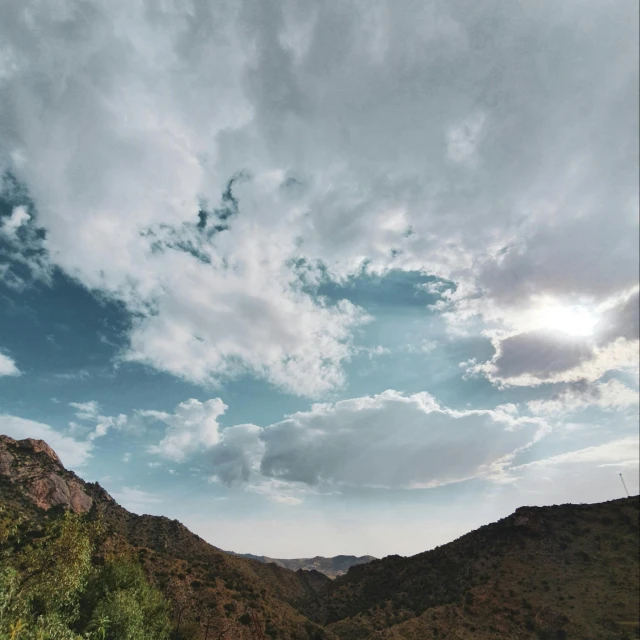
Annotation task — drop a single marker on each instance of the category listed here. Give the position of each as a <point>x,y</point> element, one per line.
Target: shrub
<point>52,588</point>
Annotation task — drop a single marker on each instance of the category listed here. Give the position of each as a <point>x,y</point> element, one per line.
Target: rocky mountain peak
<point>39,446</point>
<point>35,466</point>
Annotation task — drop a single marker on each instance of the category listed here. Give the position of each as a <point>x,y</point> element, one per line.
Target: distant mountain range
<point>561,572</point>
<point>332,567</point>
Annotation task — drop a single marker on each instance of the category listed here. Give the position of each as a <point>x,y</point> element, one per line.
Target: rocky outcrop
<point>194,575</point>
<point>34,465</point>
<point>6,460</point>
<point>530,520</point>
<point>51,491</point>
<point>39,446</point>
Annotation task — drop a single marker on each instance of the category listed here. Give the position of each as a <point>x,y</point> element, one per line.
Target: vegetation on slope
<point>330,567</point>
<point>53,587</point>
<point>210,594</point>
<point>566,572</point>
<point>569,571</point>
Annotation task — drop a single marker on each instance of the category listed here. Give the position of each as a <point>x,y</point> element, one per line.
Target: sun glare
<point>574,321</point>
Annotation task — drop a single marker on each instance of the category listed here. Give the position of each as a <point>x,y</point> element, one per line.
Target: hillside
<point>205,585</point>
<point>568,571</point>
<point>331,567</point>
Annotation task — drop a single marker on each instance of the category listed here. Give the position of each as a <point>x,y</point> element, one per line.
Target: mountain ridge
<point>332,567</point>
<point>195,576</point>
<point>558,572</point>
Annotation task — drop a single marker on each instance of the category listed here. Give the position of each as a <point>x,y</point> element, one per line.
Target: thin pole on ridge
<point>624,485</point>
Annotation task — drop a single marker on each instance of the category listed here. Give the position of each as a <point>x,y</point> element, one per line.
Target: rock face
<point>6,460</point>
<point>530,520</point>
<point>34,465</point>
<point>38,446</point>
<point>51,491</point>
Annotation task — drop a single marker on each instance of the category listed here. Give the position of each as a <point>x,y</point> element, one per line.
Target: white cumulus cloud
<point>191,428</point>
<point>388,440</point>
<point>8,366</point>
<point>611,395</point>
<point>405,136</point>
<point>90,412</point>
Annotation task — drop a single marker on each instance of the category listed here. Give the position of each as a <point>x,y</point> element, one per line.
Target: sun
<point>571,320</point>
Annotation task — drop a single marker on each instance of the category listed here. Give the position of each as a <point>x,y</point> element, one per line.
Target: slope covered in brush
<point>331,567</point>
<point>561,572</point>
<point>568,571</point>
<point>209,591</point>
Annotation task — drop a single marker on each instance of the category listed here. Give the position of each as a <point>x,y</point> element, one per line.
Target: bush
<point>122,594</point>
<point>51,588</point>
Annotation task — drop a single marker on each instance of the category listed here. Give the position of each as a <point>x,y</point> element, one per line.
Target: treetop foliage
<point>54,587</point>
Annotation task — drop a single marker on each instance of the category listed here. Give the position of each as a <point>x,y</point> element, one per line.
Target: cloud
<point>23,257</point>
<point>535,357</point>
<point>105,423</point>
<point>279,492</point>
<point>375,352</point>
<point>82,374</point>
<point>621,320</point>
<point>136,500</point>
<point>238,455</point>
<point>86,410</point>
<point>193,427</point>
<point>546,257</point>
<point>403,136</point>
<point>269,330</point>
<point>611,395</point>
<point>424,346</point>
<point>615,452</point>
<point>90,412</point>
<point>8,366</point>
<point>18,217</point>
<point>205,309</point>
<point>388,440</point>
<point>463,139</point>
<point>538,356</point>
<point>73,453</point>
<point>585,475</point>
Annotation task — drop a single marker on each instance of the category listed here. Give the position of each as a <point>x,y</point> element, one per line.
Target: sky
<point>323,278</point>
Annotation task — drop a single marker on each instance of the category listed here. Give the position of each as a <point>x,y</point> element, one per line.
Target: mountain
<point>204,584</point>
<point>331,567</point>
<point>568,571</point>
<point>559,572</point>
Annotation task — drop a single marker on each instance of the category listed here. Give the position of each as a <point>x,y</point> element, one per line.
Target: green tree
<point>50,589</point>
<point>55,568</point>
<point>121,594</point>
